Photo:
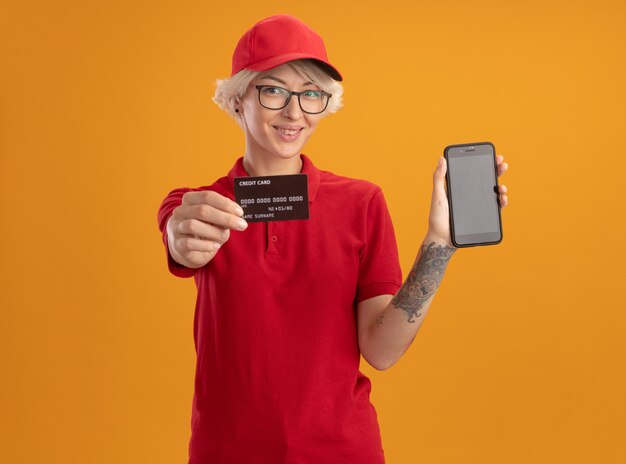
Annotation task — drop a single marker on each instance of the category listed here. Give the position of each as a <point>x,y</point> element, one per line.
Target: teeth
<point>287,131</point>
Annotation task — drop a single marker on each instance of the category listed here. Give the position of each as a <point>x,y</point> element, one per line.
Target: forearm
<point>396,327</point>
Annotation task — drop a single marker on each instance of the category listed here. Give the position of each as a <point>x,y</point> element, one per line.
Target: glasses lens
<point>313,101</point>
<point>273,97</point>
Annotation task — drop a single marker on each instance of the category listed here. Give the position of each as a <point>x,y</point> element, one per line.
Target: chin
<point>288,153</point>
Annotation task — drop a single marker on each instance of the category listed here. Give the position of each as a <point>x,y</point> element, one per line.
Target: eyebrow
<point>283,82</point>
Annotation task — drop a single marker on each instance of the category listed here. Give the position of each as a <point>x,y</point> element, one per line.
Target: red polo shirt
<point>275,329</point>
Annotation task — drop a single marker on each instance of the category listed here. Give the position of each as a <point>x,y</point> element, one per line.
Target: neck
<point>260,166</point>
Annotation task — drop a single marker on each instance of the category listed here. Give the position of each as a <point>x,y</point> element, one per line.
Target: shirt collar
<point>308,168</point>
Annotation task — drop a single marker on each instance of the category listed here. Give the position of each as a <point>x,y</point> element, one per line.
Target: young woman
<point>285,309</point>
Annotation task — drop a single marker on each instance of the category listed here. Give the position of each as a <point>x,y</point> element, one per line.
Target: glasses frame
<point>291,94</point>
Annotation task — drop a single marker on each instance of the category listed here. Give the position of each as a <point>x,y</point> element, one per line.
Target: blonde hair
<point>229,92</point>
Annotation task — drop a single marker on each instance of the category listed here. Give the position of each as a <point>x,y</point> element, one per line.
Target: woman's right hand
<point>200,226</point>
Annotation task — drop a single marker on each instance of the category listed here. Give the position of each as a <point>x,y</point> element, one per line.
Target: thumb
<point>439,177</point>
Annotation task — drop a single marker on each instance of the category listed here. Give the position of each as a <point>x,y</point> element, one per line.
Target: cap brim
<point>275,61</point>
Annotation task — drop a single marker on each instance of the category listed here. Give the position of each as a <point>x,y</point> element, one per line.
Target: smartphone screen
<point>472,194</point>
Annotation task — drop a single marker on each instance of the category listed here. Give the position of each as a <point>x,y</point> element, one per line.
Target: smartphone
<point>472,189</point>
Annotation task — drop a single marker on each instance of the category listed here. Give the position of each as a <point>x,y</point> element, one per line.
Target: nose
<point>293,110</point>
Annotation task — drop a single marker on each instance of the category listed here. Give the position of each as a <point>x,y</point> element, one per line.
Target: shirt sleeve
<point>169,204</point>
<point>379,267</point>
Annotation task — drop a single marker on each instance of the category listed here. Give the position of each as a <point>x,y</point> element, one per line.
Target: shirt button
<point>274,238</point>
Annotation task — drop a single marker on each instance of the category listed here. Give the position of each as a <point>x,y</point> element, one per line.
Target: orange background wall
<point>105,107</point>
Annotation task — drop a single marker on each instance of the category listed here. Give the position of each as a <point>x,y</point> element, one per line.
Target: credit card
<point>273,198</point>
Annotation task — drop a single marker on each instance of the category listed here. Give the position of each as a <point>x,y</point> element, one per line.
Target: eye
<point>272,90</point>
<point>312,94</point>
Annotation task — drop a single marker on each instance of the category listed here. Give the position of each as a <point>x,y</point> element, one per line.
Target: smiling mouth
<point>288,132</point>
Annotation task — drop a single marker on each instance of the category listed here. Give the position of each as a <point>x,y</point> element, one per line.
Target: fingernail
<point>216,246</point>
<point>241,224</point>
<point>239,211</point>
<point>440,161</point>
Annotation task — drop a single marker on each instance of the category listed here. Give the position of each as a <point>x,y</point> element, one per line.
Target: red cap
<point>276,40</point>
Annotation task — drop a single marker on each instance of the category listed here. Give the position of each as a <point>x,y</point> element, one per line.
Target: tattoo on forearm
<point>423,280</point>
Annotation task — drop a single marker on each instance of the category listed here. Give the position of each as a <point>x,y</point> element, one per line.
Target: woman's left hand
<point>439,220</point>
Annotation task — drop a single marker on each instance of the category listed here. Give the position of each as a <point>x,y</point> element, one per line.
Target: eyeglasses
<point>276,98</point>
